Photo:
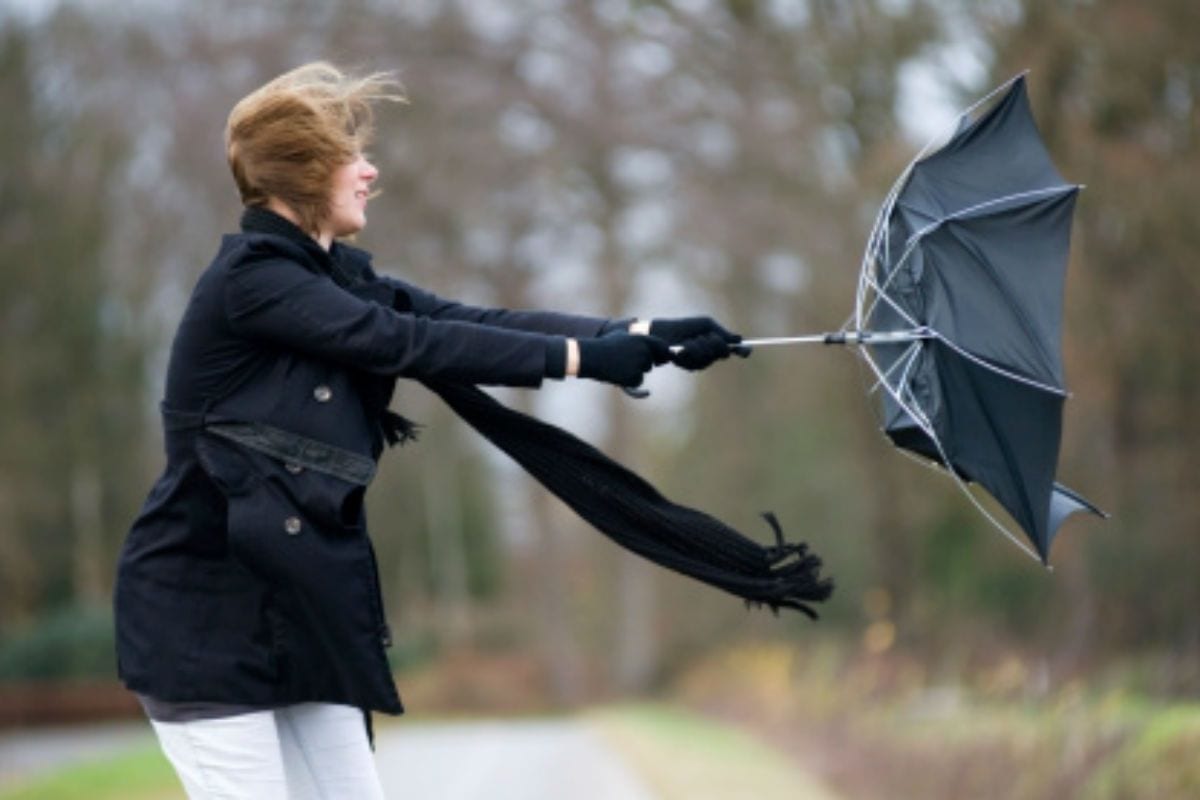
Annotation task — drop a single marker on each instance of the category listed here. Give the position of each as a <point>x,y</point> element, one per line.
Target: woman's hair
<point>285,139</point>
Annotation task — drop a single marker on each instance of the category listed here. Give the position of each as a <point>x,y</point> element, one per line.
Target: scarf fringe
<point>398,430</point>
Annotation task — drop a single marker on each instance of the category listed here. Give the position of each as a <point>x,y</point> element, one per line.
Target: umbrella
<point>959,308</point>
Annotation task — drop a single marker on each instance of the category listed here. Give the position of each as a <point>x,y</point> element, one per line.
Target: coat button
<point>292,525</point>
<point>293,467</point>
<point>323,393</point>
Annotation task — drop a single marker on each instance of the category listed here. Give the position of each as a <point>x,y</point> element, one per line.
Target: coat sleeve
<point>276,301</point>
<point>428,304</point>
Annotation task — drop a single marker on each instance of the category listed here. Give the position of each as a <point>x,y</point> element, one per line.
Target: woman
<point>249,618</point>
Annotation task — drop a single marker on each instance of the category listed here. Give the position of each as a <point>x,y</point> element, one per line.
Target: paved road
<point>525,759</point>
<point>517,759</point>
<point>24,753</point>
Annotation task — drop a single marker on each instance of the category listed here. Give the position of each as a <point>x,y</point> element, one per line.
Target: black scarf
<point>614,500</point>
<point>632,513</point>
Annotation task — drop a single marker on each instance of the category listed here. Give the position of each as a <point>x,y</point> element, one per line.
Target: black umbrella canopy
<point>972,253</point>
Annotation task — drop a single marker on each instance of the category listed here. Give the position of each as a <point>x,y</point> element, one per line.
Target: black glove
<point>621,358</point>
<point>677,331</point>
<point>700,341</point>
<point>700,352</point>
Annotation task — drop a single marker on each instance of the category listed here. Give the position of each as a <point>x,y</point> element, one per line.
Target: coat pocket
<point>326,500</point>
<point>280,523</point>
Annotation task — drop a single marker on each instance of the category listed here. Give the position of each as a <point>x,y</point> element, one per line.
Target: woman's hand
<point>620,358</point>
<point>698,341</point>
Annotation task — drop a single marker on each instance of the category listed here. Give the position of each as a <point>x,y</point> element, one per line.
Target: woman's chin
<point>351,227</point>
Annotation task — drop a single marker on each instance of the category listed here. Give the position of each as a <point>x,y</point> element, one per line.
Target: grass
<point>140,774</point>
<point>874,727</point>
<point>1158,761</point>
<point>685,755</point>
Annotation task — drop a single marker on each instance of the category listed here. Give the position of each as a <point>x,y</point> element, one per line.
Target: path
<point>526,759</point>
<point>502,759</point>
<point>27,752</point>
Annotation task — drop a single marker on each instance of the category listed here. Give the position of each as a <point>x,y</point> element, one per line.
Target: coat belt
<point>291,448</point>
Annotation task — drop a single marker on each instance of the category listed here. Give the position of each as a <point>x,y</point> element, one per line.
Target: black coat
<point>249,577</point>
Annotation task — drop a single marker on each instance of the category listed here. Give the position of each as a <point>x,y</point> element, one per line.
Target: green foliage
<point>886,725</point>
<point>412,650</point>
<point>967,570</point>
<point>1115,87</point>
<point>484,559</point>
<point>70,643</point>
<point>71,362</point>
<point>1158,761</point>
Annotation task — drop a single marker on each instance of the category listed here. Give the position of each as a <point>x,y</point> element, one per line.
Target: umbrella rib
<point>874,239</point>
<point>1002,87</point>
<point>875,244</point>
<point>936,138</point>
<point>881,290</point>
<point>1012,537</point>
<point>962,213</point>
<point>914,240</point>
<point>889,201</point>
<point>966,489</point>
<point>907,357</point>
<point>918,416</point>
<point>1013,376</point>
<point>912,360</point>
<point>881,294</point>
<point>987,269</point>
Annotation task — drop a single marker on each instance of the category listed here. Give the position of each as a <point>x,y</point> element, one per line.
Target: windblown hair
<point>286,139</point>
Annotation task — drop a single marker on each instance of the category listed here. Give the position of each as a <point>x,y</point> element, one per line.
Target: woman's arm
<point>278,302</point>
<point>427,304</point>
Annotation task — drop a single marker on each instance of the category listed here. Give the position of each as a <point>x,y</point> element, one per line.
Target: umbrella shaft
<point>843,337</point>
<point>774,340</point>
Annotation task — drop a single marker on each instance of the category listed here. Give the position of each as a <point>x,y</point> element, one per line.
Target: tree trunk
<point>447,548</point>
<point>88,559</point>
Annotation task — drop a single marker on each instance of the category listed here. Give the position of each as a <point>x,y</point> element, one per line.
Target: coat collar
<point>333,262</point>
<point>258,219</point>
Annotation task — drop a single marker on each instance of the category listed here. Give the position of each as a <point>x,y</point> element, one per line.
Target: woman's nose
<point>369,172</point>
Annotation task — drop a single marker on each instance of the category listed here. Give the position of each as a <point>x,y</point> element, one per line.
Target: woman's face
<point>348,201</point>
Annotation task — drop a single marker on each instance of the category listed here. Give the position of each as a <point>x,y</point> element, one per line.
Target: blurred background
<point>647,158</point>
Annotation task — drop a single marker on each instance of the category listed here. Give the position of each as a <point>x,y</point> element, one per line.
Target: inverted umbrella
<point>959,307</point>
<point>957,314</point>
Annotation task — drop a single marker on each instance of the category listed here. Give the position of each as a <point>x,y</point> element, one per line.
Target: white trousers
<point>310,751</point>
